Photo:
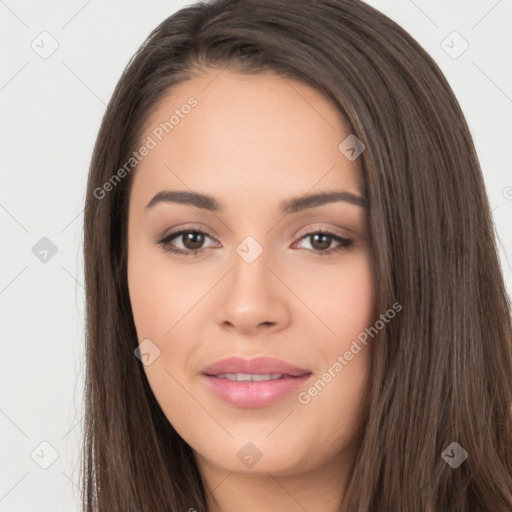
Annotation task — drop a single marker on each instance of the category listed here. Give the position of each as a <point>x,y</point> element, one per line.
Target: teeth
<point>241,377</point>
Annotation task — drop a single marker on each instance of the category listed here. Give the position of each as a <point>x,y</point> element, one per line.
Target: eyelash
<point>344,242</point>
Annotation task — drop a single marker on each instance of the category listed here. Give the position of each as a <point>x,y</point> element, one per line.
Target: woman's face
<point>264,284</point>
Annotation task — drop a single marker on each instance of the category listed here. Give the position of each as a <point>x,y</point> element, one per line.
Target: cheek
<point>160,300</point>
<point>161,295</point>
<point>164,302</point>
<point>342,297</point>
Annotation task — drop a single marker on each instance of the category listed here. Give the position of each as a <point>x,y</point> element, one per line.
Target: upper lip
<point>257,365</point>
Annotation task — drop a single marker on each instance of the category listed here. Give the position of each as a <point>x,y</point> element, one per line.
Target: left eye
<point>193,239</point>
<point>322,240</point>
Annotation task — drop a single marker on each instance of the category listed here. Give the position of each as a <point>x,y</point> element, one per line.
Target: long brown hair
<point>442,369</point>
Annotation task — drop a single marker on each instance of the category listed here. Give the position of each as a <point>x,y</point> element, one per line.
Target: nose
<point>253,298</point>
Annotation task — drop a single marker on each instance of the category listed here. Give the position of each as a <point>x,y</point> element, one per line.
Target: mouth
<point>253,383</point>
<point>246,377</point>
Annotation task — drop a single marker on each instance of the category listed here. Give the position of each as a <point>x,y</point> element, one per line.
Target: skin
<point>251,142</point>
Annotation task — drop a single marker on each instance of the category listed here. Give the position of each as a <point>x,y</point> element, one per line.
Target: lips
<point>253,383</point>
<point>256,366</point>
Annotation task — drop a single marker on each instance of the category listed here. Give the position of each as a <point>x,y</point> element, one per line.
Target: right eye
<point>191,239</point>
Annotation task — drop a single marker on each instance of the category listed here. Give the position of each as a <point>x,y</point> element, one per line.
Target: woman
<point>294,298</point>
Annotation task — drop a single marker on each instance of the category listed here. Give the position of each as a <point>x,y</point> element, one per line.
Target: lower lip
<point>253,394</point>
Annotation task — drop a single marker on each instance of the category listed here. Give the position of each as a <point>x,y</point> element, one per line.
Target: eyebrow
<point>293,205</point>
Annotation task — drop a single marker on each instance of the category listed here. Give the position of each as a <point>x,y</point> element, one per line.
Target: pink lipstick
<point>253,383</point>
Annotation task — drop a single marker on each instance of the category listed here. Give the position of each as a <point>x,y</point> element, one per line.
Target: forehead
<point>252,134</point>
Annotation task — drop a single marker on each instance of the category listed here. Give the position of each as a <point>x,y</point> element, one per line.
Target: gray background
<point>51,110</point>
